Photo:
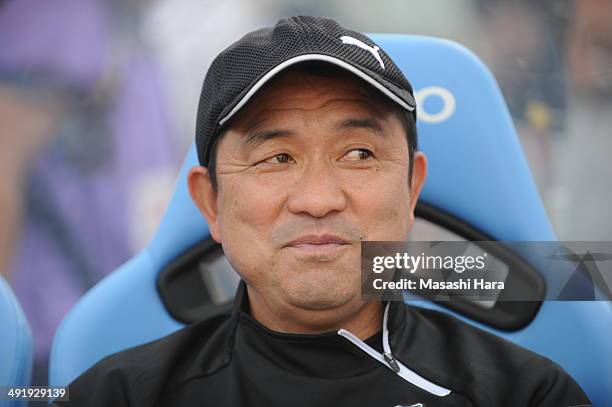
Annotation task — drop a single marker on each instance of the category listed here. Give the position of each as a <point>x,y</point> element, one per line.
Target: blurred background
<point>98,101</point>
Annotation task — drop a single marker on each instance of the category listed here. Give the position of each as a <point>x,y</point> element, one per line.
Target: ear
<point>419,172</point>
<point>205,198</point>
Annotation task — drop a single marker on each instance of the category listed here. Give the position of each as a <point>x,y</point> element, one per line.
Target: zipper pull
<point>391,361</point>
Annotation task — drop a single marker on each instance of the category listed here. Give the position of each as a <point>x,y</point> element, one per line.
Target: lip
<point>324,244</point>
<point>324,239</point>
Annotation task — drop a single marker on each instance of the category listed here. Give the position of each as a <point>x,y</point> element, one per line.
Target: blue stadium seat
<point>477,173</point>
<point>15,344</point>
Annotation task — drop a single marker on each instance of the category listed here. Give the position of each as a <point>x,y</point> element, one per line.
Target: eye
<point>282,158</point>
<point>357,154</point>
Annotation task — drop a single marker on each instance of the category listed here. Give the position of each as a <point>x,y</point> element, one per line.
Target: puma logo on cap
<point>373,50</point>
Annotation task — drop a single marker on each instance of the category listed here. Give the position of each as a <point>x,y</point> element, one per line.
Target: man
<point>307,139</point>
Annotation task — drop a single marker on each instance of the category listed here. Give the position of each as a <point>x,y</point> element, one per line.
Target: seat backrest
<point>15,343</point>
<point>477,173</point>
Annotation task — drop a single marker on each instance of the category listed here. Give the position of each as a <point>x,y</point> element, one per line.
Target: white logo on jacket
<point>372,50</point>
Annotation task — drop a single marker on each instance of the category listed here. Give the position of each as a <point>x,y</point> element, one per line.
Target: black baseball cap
<point>244,67</point>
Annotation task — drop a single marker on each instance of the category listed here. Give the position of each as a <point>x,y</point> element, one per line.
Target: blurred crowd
<point>87,150</point>
<point>98,101</point>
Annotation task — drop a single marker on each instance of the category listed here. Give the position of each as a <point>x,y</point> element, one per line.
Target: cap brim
<point>315,57</point>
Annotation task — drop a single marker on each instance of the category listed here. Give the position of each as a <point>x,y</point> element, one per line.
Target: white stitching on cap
<point>313,57</point>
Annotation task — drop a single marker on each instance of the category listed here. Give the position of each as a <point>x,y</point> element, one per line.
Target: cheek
<point>246,217</point>
<point>383,205</point>
<point>249,205</point>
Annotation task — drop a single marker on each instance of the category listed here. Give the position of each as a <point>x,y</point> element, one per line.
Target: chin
<point>320,290</point>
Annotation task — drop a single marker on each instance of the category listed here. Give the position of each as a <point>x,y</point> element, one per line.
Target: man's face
<point>309,168</point>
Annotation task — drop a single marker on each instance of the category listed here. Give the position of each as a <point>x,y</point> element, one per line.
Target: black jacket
<point>421,358</point>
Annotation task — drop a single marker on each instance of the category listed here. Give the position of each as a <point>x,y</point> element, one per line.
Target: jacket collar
<point>326,355</point>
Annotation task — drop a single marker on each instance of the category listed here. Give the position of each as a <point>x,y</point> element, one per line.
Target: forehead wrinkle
<point>288,96</point>
<point>368,123</point>
<point>261,113</point>
<point>288,84</point>
<point>255,138</point>
<point>258,132</point>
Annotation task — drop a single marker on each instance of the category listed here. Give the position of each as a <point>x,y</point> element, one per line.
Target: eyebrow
<point>362,123</point>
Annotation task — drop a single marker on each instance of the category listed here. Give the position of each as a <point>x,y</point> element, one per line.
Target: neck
<point>362,318</point>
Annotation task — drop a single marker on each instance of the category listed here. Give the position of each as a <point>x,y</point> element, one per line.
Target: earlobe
<point>205,198</point>
<point>419,173</point>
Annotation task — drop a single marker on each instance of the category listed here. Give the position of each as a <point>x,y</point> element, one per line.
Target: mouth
<point>317,244</point>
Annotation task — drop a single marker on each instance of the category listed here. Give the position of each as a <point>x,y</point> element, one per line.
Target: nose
<point>318,192</point>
